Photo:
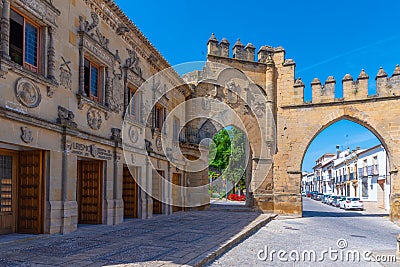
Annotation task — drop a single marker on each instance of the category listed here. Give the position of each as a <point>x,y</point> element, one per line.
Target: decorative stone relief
<point>117,91</point>
<point>116,135</point>
<point>98,51</point>
<point>149,146</point>
<point>132,62</point>
<point>28,93</point>
<point>133,134</point>
<point>65,74</point>
<point>121,30</point>
<point>133,159</point>
<point>66,117</point>
<point>231,92</point>
<point>94,119</point>
<point>26,135</point>
<point>86,26</point>
<point>40,9</point>
<point>158,143</point>
<point>259,109</point>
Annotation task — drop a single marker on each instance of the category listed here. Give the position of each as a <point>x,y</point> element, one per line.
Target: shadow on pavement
<point>311,213</point>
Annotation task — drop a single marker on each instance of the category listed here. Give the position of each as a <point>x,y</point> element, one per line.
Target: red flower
<point>236,197</point>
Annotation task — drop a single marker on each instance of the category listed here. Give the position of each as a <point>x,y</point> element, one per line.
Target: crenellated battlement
<point>352,89</point>
<point>240,51</point>
<point>291,90</point>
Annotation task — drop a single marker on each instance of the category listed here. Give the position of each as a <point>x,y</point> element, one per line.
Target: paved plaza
<point>320,229</point>
<point>183,238</point>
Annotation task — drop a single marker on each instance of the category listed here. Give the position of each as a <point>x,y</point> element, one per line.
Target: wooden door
<point>8,201</point>
<point>89,192</point>
<point>157,193</point>
<point>30,192</point>
<point>176,192</point>
<point>130,194</point>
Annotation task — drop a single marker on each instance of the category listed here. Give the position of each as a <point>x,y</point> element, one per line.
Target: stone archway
<point>298,121</point>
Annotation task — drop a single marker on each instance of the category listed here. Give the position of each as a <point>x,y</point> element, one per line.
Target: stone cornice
<point>341,102</point>
<point>52,126</point>
<point>112,14</point>
<point>41,9</point>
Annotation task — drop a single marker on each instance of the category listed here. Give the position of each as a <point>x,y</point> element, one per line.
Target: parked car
<point>352,203</point>
<point>319,197</point>
<point>309,194</point>
<point>314,194</point>
<point>325,198</point>
<point>336,203</point>
<point>303,194</point>
<point>331,199</point>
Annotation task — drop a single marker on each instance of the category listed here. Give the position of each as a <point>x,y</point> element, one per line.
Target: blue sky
<point>323,37</point>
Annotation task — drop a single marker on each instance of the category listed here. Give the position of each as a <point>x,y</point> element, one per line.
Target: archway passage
<point>347,160</point>
<point>300,124</point>
<point>229,167</point>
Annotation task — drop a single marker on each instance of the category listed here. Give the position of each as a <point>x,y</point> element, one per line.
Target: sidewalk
<point>184,238</point>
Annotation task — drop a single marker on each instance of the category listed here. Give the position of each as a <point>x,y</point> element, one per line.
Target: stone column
<point>149,189</point>
<point>169,202</point>
<point>51,55</point>
<point>5,30</point>
<point>126,89</point>
<point>108,87</point>
<point>82,71</point>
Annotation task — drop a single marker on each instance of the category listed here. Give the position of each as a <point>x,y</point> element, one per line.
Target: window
<point>5,183</point>
<point>134,104</point>
<point>176,129</point>
<point>24,41</point>
<point>365,187</point>
<point>160,114</point>
<point>92,80</point>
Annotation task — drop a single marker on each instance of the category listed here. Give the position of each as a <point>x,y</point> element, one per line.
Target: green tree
<point>236,172</point>
<point>220,151</point>
<point>229,149</point>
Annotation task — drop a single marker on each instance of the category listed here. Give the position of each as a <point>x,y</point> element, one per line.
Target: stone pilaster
<point>51,55</point>
<point>81,90</point>
<point>108,88</point>
<point>5,30</point>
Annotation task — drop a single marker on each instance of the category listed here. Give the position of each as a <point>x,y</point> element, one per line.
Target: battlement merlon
<point>242,52</point>
<point>352,89</point>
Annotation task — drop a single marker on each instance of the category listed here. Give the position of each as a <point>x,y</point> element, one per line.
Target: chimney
<point>337,151</point>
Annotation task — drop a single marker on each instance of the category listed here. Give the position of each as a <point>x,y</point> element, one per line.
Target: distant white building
<point>373,184</point>
<point>322,173</point>
<point>358,173</point>
<point>307,182</point>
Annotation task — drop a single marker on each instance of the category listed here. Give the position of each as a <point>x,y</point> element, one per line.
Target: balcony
<point>375,169</point>
<point>189,135</point>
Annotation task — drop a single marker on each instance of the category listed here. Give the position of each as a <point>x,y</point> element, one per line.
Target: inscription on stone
<point>91,151</point>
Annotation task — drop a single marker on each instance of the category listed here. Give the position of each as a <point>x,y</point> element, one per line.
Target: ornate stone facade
<point>52,115</point>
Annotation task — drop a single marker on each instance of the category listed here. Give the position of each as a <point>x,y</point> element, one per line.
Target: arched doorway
<point>229,166</point>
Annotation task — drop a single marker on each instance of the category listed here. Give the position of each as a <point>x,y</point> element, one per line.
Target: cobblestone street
<point>321,228</point>
<point>182,238</point>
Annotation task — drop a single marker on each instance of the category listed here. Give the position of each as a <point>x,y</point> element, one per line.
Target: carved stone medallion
<point>26,135</point>
<point>133,134</point>
<point>94,119</point>
<point>28,93</point>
